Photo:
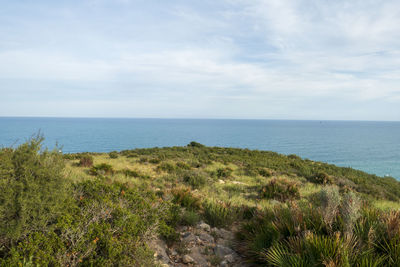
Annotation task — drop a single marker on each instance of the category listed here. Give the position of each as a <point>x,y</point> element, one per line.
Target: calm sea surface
<point>370,146</point>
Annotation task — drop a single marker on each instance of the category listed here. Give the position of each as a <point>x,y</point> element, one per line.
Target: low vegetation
<point>102,209</point>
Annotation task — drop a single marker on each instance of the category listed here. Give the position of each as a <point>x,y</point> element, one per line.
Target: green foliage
<point>113,154</point>
<point>166,167</point>
<point>219,214</point>
<point>264,172</point>
<point>45,223</point>
<point>190,218</point>
<point>184,198</point>
<point>33,190</point>
<point>154,160</point>
<point>102,169</point>
<point>224,172</point>
<point>252,161</point>
<point>320,178</point>
<point>182,165</point>
<point>48,220</point>
<point>335,231</point>
<point>85,161</point>
<point>329,200</point>
<point>280,189</point>
<point>196,179</point>
<point>131,173</point>
<point>195,144</point>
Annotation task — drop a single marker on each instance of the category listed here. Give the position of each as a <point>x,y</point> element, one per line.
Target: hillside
<point>233,207</point>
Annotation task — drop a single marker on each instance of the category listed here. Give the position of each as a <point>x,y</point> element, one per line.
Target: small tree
<point>33,191</point>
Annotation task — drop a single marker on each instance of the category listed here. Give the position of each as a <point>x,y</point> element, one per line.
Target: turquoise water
<point>373,147</point>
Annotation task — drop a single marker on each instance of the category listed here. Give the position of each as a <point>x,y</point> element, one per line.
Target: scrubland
<point>101,209</point>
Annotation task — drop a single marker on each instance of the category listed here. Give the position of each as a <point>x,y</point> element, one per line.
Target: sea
<point>370,146</point>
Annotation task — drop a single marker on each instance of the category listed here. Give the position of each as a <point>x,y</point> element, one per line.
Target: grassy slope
<point>285,209</point>
<point>233,175</point>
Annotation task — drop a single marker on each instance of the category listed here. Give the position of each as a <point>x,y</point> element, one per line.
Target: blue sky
<point>259,59</point>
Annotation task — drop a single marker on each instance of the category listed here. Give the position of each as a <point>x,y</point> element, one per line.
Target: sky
<point>239,59</point>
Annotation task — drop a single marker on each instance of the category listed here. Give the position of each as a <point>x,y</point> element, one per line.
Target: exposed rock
<point>230,258</point>
<point>221,181</point>
<point>216,231</point>
<point>198,247</point>
<point>172,252</point>
<point>222,251</point>
<point>206,237</point>
<point>223,242</point>
<point>199,258</point>
<point>159,248</point>
<point>226,234</point>
<point>187,259</point>
<point>204,227</point>
<point>237,182</point>
<point>188,237</point>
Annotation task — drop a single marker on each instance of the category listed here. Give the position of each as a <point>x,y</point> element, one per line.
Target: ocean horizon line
<point>184,118</point>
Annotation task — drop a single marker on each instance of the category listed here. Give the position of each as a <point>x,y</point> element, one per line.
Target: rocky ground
<point>200,245</point>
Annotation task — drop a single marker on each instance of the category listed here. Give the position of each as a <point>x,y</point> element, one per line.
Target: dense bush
<point>219,214</point>
<point>195,144</point>
<point>33,190</point>
<point>131,173</point>
<point>334,231</point>
<point>43,222</point>
<point>196,179</point>
<point>280,189</point>
<point>264,172</point>
<point>113,154</point>
<point>102,169</point>
<point>166,167</point>
<point>190,218</point>
<point>224,172</point>
<point>154,160</point>
<point>184,197</point>
<point>320,178</point>
<point>86,161</point>
<point>182,165</point>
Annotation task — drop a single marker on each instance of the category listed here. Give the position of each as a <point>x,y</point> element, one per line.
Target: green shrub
<point>294,157</point>
<point>219,214</point>
<point>167,167</point>
<point>224,172</point>
<point>185,198</point>
<point>194,178</point>
<point>190,218</point>
<point>102,169</point>
<point>249,170</point>
<point>131,173</point>
<point>113,154</point>
<point>350,211</point>
<point>154,160</point>
<point>195,144</point>
<point>168,223</point>
<point>280,189</point>
<point>33,190</point>
<point>86,161</point>
<point>264,172</point>
<point>143,159</point>
<point>321,178</point>
<point>329,199</point>
<point>338,233</point>
<point>183,165</point>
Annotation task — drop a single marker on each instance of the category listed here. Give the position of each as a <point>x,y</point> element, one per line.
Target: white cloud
<point>289,54</point>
